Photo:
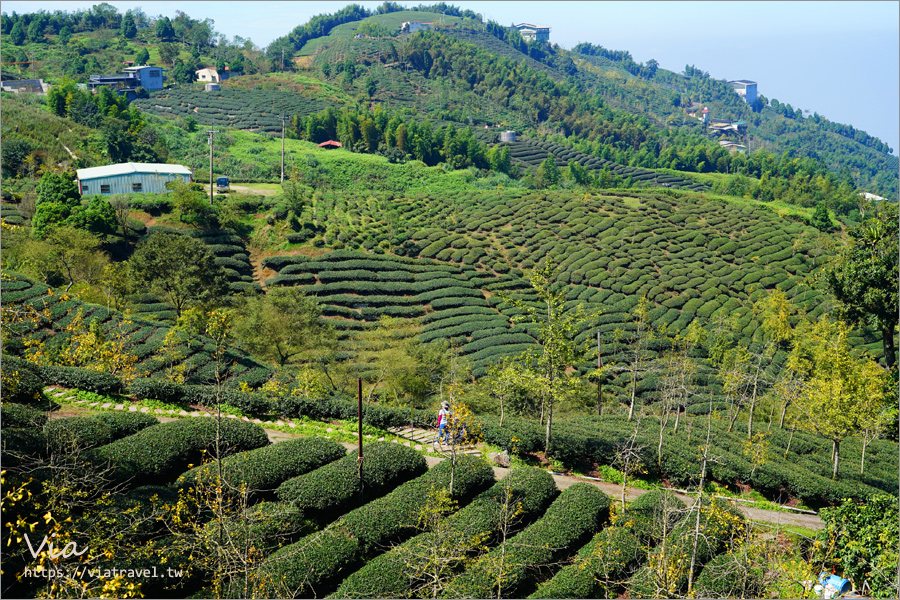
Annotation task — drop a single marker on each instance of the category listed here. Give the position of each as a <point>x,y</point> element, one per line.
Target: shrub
<point>317,563</point>
<point>20,443</point>
<point>82,379</point>
<point>22,381</point>
<point>19,415</point>
<point>610,557</point>
<point>732,575</point>
<point>160,452</point>
<point>77,433</point>
<point>261,471</point>
<point>576,514</point>
<point>654,515</point>
<point>330,489</point>
<point>123,424</point>
<point>157,389</point>
<point>388,575</point>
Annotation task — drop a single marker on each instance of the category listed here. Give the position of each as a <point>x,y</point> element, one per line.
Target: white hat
<point>445,404</point>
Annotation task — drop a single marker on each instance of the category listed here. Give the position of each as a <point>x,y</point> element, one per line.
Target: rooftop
<point>743,82</point>
<point>128,168</point>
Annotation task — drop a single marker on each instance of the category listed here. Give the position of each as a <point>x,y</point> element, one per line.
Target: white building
<point>745,89</point>
<point>130,178</point>
<point>532,33</point>
<point>414,26</point>
<point>208,75</point>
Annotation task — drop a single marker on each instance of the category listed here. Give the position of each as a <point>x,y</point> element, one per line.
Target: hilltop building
<point>745,89</point>
<point>147,77</point>
<point>414,26</point>
<point>130,178</point>
<point>531,33</point>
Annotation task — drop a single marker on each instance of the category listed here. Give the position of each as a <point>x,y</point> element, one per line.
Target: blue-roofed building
<point>130,178</point>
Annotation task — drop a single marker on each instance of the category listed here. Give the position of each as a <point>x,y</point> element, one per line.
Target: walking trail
<point>418,439</point>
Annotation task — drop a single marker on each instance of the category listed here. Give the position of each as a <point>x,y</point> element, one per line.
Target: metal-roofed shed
<point>130,178</point>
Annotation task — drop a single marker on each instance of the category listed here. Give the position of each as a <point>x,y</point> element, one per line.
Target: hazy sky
<point>840,59</point>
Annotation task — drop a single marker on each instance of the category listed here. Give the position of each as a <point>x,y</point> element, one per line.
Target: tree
<point>78,254</point>
<point>55,187</point>
<point>863,541</point>
<point>820,219</point>
<point>122,210</point>
<point>281,327</point>
<point>179,268</point>
<point>65,34</point>
<point>17,34</point>
<point>557,327</point>
<point>403,370</point>
<point>129,29</point>
<point>638,349</point>
<point>164,29</point>
<point>189,204</point>
<point>98,216</point>
<point>547,174</point>
<point>863,278</point>
<point>168,52</point>
<point>142,57</point>
<point>36,31</point>
<point>841,389</point>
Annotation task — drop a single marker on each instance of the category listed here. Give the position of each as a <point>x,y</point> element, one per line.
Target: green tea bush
<point>22,381</point>
<point>76,433</point>
<point>82,379</point>
<point>123,424</point>
<point>579,511</point>
<point>388,575</point>
<point>315,564</point>
<point>20,415</point>
<point>156,389</point>
<point>259,472</point>
<point>161,452</point>
<point>654,515</point>
<point>327,491</point>
<point>610,557</point>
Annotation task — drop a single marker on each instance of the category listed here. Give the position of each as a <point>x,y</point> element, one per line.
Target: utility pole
<point>282,60</point>
<point>283,117</point>
<point>211,133</point>
<point>599,378</point>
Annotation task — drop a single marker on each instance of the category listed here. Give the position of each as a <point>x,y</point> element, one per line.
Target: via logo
<point>68,551</point>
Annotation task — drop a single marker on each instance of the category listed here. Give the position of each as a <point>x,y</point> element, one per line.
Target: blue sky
<point>840,59</point>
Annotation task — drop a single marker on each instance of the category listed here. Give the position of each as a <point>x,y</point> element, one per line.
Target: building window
<point>136,187</point>
<point>104,188</point>
<point>154,73</point>
<point>84,188</point>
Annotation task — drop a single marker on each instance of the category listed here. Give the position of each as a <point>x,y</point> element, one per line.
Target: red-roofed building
<point>331,144</point>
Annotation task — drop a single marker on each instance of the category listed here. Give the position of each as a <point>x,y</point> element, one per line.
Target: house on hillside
<point>531,33</point>
<point>414,26</point>
<point>745,89</point>
<point>211,75</point>
<point>330,145</point>
<point>130,178</point>
<point>131,78</point>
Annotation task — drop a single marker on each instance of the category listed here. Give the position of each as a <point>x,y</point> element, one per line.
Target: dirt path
<point>243,189</point>
<point>562,481</point>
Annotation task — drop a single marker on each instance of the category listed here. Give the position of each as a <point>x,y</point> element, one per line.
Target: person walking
<point>443,423</point>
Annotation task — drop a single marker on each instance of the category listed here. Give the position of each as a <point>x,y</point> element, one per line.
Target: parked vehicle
<point>222,184</point>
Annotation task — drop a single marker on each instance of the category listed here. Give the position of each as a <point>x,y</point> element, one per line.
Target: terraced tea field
<point>140,337</point>
<point>251,110</point>
<point>530,152</point>
<point>693,258</point>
